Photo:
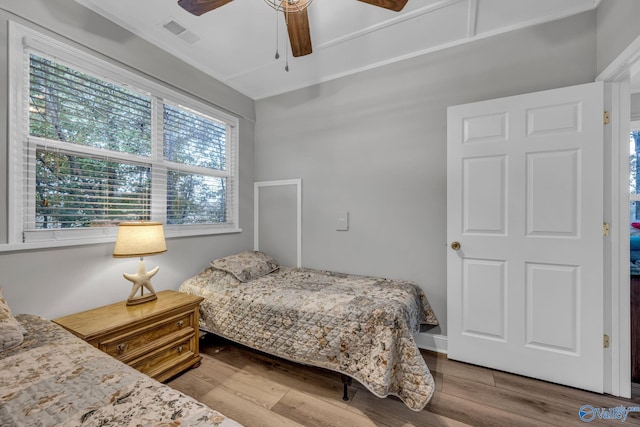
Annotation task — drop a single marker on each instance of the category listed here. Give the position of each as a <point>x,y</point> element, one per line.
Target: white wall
<point>52,283</point>
<point>635,106</point>
<point>617,25</point>
<point>374,144</point>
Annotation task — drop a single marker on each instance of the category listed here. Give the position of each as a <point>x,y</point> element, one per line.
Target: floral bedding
<point>359,326</point>
<point>55,378</point>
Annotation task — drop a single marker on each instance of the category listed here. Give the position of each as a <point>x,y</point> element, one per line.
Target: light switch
<point>342,221</point>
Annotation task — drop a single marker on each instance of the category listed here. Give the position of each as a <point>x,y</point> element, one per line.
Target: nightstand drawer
<point>120,346</point>
<point>163,358</point>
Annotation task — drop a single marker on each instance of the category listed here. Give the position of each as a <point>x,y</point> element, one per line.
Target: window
<point>96,145</point>
<point>634,173</point>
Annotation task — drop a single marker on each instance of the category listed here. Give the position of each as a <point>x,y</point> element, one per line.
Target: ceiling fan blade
<point>298,28</point>
<point>198,7</point>
<point>395,5</point>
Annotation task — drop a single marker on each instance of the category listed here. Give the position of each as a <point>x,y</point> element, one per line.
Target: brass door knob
<point>455,246</point>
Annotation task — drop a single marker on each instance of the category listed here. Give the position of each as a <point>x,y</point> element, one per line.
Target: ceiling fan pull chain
<point>277,34</point>
<point>286,65</point>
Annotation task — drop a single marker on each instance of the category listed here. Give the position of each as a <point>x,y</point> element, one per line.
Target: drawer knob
<point>179,349</point>
<point>121,348</point>
<point>180,323</point>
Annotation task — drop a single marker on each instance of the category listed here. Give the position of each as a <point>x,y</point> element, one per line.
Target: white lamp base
<point>141,279</point>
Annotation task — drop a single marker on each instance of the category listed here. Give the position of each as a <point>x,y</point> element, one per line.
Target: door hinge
<point>605,229</point>
<point>605,341</point>
<point>605,118</point>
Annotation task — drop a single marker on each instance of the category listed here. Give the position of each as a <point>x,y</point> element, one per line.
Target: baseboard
<point>431,342</point>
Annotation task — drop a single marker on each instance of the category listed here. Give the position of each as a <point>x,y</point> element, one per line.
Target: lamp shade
<point>137,239</point>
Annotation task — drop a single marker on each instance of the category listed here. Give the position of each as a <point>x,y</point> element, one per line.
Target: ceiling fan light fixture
<point>289,5</point>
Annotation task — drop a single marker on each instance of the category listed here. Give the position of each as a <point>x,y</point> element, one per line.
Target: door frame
<point>616,298</point>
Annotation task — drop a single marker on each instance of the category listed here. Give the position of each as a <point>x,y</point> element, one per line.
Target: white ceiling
<point>236,43</point>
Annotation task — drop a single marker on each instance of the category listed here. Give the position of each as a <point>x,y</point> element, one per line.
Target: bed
<point>49,377</point>
<point>359,326</point>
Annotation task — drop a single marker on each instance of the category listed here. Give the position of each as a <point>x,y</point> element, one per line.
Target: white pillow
<point>247,265</point>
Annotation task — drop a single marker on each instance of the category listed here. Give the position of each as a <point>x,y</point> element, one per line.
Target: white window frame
<point>23,40</point>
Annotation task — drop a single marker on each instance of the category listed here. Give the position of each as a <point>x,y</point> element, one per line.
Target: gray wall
<point>57,282</point>
<point>618,26</point>
<point>635,106</point>
<point>374,144</point>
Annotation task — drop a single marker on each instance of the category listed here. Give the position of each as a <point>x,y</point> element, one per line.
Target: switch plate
<point>342,221</point>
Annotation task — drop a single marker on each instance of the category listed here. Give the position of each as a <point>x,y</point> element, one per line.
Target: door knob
<point>455,246</point>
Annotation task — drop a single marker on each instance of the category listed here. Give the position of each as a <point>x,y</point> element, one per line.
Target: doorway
<point>617,77</point>
<point>634,243</point>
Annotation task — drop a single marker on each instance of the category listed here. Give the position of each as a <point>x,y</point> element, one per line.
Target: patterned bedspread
<point>359,326</point>
<point>55,378</point>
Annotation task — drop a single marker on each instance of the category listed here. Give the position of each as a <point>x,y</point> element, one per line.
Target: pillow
<point>11,332</point>
<point>247,265</point>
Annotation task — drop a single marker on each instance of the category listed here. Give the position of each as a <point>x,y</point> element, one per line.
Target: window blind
<point>71,186</point>
<point>194,139</point>
<point>80,191</point>
<point>96,152</point>
<point>197,184</point>
<point>68,105</point>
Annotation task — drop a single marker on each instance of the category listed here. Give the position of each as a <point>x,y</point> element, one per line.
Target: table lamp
<point>138,239</point>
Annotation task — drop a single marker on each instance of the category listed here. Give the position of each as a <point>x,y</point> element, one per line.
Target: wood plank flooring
<point>260,390</point>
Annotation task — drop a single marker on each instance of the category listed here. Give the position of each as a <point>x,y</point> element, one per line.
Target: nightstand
<point>158,338</point>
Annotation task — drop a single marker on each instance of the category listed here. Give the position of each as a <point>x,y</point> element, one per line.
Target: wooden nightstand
<point>159,338</point>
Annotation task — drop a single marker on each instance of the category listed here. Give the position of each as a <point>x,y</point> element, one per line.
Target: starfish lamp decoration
<point>141,280</point>
<point>138,239</point>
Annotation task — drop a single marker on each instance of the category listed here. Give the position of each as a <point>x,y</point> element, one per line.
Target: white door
<point>525,204</point>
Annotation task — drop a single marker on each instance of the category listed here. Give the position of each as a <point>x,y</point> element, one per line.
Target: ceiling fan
<point>296,17</point>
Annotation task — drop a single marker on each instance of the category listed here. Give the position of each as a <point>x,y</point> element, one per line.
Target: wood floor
<point>260,390</point>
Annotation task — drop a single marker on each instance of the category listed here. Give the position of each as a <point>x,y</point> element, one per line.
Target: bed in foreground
<point>356,325</point>
<point>53,378</point>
